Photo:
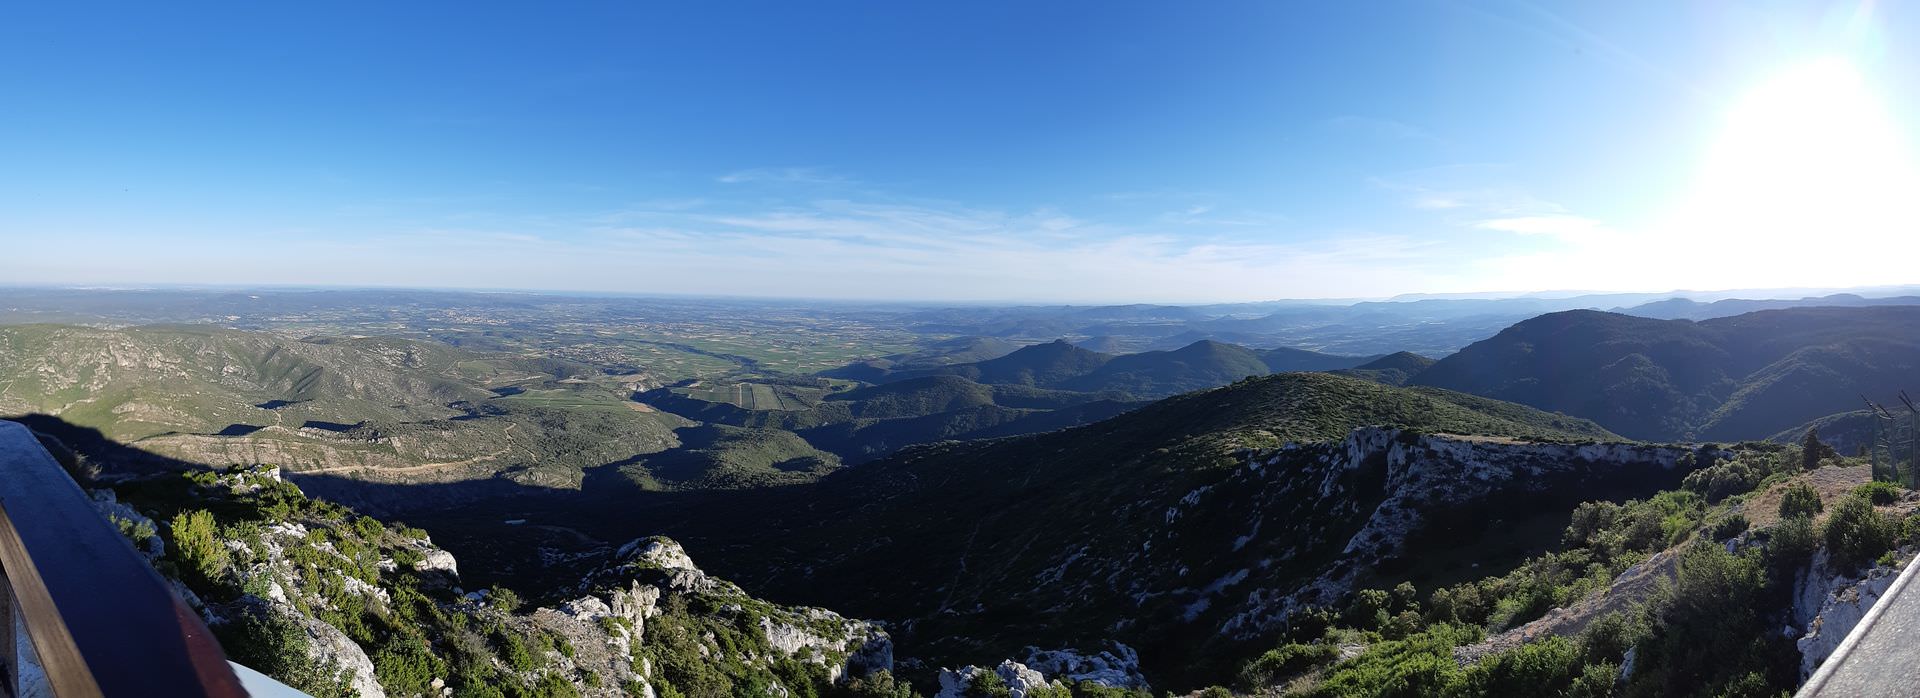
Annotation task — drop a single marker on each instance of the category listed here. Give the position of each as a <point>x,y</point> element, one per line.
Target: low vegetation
<point>1712,631</point>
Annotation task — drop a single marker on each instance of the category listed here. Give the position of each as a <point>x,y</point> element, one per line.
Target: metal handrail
<point>81,604</point>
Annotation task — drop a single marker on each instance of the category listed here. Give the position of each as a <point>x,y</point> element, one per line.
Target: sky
<point>1068,151</point>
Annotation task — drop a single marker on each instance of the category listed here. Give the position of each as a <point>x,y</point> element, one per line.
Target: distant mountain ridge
<point>1151,374</point>
<point>1741,377</point>
<point>1688,309</point>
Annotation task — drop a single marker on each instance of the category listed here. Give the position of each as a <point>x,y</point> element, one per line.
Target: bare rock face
<point>646,571</point>
<point>327,646</point>
<point>1118,666</point>
<point>1828,606</point>
<point>1388,482</point>
<point>436,567</point>
<point>1020,679</point>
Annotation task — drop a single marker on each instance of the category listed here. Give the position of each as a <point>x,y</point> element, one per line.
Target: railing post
<point>29,678</point>
<point>9,679</point>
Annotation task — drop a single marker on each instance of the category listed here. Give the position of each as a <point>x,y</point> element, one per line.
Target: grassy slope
<point>393,405</point>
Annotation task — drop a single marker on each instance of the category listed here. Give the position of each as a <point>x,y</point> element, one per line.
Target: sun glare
<point>1811,156</point>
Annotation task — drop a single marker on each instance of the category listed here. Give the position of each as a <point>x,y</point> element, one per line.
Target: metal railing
<point>81,613</point>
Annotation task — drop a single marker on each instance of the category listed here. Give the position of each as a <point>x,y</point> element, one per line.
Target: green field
<point>756,396</point>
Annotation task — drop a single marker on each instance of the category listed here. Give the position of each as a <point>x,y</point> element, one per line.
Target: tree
<point>1812,449</point>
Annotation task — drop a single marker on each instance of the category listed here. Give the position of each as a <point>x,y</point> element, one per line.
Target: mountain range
<point>1176,512</point>
<point>1740,377</point>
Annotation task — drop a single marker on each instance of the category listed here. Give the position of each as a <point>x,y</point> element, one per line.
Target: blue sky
<point>1063,151</point>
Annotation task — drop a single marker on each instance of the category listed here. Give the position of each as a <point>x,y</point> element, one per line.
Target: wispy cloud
<point>783,175</point>
<point>863,248</point>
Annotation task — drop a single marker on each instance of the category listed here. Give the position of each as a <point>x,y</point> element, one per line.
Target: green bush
<point>1609,637</point>
<point>198,547</point>
<point>1799,499</point>
<point>1546,667</point>
<point>1709,630</point>
<point>1284,661</point>
<point>1790,544</point>
<point>1420,665</point>
<point>405,666</point>
<point>1856,533</point>
<point>1880,493</point>
<point>987,684</point>
<point>1731,526</point>
<point>503,598</point>
<point>1724,480</point>
<point>274,644</point>
<point>879,684</point>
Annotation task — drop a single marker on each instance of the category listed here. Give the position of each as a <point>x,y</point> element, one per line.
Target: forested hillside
<point>1741,377</point>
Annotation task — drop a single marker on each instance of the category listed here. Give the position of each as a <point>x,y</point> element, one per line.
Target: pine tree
<point>1812,449</point>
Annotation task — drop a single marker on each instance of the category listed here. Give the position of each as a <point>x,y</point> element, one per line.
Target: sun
<point>1808,174</point>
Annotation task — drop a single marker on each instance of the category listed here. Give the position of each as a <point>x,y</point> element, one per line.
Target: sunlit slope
<point>374,408</point>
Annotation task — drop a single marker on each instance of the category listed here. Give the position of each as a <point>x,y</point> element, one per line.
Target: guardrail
<point>83,615</point>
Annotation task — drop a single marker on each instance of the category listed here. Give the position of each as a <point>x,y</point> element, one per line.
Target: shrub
<point>1609,637</point>
<point>274,644</point>
<point>1880,493</point>
<point>503,598</point>
<point>1709,631</point>
<point>404,665</point>
<point>1733,525</point>
<point>1546,667</point>
<point>1415,666</point>
<point>1800,499</point>
<point>1856,533</point>
<point>197,546</point>
<point>1727,479</point>
<point>1284,661</point>
<point>1790,544</point>
<point>987,684</point>
<point>879,684</point>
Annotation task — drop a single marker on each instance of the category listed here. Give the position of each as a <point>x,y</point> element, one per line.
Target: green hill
<point>867,422</point>
<point>1202,364</point>
<point>1392,369</point>
<point>381,410</point>
<point>1283,359</point>
<point>915,397</point>
<point>1043,365</point>
<point>958,350</point>
<point>1740,377</point>
<point>1151,374</point>
<point>1038,539</point>
<point>723,457</point>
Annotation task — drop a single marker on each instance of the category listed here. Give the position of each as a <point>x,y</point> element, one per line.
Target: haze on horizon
<point>1072,151</point>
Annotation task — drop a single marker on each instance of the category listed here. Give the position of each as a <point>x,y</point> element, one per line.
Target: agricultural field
<point>756,395</point>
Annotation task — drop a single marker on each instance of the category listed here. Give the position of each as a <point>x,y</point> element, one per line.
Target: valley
<point>979,496</point>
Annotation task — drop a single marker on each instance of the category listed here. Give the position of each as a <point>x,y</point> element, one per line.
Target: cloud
<point>783,175</point>
<point>864,248</point>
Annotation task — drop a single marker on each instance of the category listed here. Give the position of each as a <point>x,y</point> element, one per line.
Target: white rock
<point>1019,678</point>
<point>1117,667</point>
<point>1841,607</point>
